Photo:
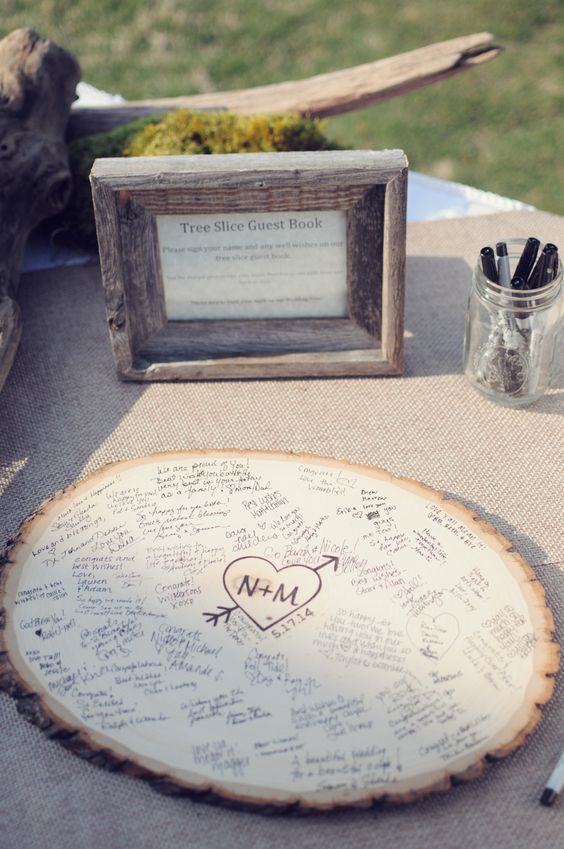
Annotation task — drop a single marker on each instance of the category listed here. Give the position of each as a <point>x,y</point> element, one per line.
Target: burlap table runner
<point>64,413</point>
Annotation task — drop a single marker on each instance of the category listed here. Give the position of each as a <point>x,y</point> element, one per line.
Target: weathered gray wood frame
<point>370,186</point>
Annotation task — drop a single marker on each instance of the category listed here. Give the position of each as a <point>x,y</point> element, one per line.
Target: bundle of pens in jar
<point>512,320</point>
<point>530,273</point>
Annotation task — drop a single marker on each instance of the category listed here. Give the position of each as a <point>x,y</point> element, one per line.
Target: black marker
<point>527,259</point>
<point>536,278</point>
<point>545,269</point>
<point>551,263</point>
<point>487,258</point>
<point>519,285</point>
<point>503,269</point>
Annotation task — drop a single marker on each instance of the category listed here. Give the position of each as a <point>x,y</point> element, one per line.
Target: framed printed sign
<point>253,265</point>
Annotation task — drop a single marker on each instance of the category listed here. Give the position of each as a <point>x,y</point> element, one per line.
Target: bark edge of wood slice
<point>37,707</point>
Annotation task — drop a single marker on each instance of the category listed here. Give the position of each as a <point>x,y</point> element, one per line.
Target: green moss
<point>184,132</point>
<point>177,133</point>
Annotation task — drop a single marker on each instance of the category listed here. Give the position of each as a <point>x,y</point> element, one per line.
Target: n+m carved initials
<point>266,590</point>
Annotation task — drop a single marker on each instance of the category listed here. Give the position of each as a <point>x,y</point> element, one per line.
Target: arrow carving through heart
<point>267,594</point>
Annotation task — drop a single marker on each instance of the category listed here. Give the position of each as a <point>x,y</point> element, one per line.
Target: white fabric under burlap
<point>64,413</point>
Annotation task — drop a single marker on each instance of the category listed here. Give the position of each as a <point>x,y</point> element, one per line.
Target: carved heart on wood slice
<point>266,593</point>
<point>433,636</point>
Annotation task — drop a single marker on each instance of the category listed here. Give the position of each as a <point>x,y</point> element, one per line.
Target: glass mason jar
<point>510,335</point>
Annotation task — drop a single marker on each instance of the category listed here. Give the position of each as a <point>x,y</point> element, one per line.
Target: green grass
<point>497,127</point>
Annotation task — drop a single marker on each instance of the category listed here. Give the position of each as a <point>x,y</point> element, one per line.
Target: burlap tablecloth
<point>64,413</point>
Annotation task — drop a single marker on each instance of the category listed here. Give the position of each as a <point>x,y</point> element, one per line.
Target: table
<point>64,413</point>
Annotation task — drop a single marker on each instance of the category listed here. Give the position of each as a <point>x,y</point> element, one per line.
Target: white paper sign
<point>254,265</point>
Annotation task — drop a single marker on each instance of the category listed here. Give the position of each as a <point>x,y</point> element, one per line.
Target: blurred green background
<point>497,127</point>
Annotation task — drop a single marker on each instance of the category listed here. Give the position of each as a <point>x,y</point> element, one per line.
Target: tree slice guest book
<point>274,630</point>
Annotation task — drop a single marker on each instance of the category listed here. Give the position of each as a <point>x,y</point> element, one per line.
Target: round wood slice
<point>274,630</point>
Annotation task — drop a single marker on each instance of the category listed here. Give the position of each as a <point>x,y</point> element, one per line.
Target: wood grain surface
<point>457,679</point>
<point>322,95</point>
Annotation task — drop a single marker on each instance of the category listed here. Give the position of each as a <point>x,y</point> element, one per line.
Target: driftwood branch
<point>319,96</point>
<point>37,86</point>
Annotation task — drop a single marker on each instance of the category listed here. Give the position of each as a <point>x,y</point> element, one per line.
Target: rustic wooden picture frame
<point>369,186</point>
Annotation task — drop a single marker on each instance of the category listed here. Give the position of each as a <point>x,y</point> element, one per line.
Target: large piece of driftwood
<point>274,631</point>
<point>319,96</point>
<point>37,86</point>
